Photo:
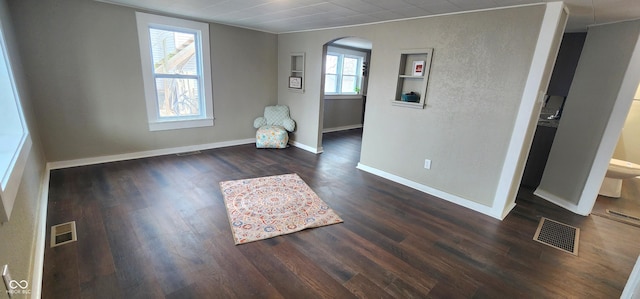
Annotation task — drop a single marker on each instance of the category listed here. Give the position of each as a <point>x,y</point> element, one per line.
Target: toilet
<point>617,171</point>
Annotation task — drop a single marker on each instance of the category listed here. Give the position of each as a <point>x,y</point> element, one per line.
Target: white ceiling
<point>278,16</point>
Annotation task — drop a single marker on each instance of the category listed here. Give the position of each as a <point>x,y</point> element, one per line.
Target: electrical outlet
<point>427,163</point>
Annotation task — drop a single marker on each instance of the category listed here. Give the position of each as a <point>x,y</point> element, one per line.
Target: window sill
<point>180,124</point>
<point>343,97</point>
<point>13,176</point>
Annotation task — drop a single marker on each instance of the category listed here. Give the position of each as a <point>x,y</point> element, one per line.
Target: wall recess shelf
<point>413,76</point>
<point>296,78</point>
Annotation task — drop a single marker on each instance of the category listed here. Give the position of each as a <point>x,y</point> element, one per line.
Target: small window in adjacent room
<point>15,142</point>
<point>343,74</point>
<point>176,71</point>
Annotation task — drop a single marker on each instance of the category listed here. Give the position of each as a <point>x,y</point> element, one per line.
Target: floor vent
<point>63,233</point>
<point>188,153</point>
<point>558,235</point>
<point>622,214</point>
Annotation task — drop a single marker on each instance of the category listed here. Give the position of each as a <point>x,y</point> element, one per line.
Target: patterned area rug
<point>266,207</point>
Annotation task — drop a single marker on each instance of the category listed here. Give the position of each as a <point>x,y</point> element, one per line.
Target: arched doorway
<point>344,81</point>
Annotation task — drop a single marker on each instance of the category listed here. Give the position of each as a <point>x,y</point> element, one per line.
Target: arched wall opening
<point>344,84</point>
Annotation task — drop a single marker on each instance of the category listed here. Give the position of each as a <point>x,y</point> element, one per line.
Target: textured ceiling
<point>278,16</point>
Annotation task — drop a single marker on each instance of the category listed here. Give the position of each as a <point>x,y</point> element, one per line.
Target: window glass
<point>176,72</point>
<point>11,128</point>
<point>173,52</point>
<point>350,66</point>
<point>330,83</point>
<point>15,142</point>
<point>343,74</point>
<point>178,97</point>
<point>348,84</point>
<point>332,64</point>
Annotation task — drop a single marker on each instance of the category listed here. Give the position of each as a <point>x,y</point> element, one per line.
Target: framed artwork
<point>418,68</point>
<point>295,82</point>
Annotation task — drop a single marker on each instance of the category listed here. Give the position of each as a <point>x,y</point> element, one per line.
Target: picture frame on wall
<point>295,82</point>
<point>418,68</point>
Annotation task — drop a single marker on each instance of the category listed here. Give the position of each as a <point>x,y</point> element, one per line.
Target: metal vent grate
<point>622,214</point>
<point>558,235</point>
<point>63,233</point>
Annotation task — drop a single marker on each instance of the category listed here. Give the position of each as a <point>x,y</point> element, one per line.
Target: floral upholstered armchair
<point>273,127</point>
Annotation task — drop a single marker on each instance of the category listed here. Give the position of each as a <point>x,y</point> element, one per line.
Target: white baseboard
<point>508,210</point>
<point>146,154</point>
<point>306,147</point>
<point>632,288</point>
<point>489,211</point>
<point>343,128</point>
<point>557,200</point>
<point>40,238</point>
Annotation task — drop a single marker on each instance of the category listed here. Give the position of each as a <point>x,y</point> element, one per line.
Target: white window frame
<point>339,75</point>
<point>15,157</point>
<point>156,123</point>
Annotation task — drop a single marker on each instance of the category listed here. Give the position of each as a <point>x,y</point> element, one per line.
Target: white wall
<point>84,61</point>
<point>18,245</point>
<point>479,71</point>
<point>599,98</point>
<point>628,147</point>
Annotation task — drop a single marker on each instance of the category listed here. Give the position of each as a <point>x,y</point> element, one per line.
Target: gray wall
<point>17,245</point>
<point>84,59</point>
<point>478,74</point>
<point>605,59</point>
<point>342,113</point>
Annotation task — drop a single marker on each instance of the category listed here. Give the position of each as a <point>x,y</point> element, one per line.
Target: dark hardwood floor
<point>157,228</point>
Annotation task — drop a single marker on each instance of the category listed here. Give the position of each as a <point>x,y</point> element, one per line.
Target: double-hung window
<point>343,74</point>
<point>15,141</point>
<point>176,71</point>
